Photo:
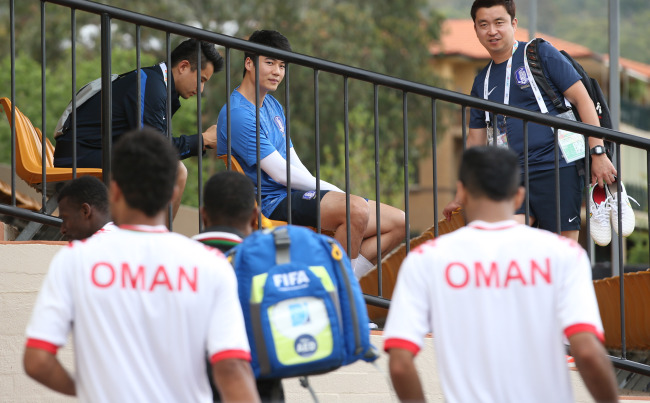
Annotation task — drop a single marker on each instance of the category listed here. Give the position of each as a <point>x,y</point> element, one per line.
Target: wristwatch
<point>597,150</point>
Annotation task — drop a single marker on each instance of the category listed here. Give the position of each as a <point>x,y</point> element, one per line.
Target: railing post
<point>43,115</point>
<point>107,97</point>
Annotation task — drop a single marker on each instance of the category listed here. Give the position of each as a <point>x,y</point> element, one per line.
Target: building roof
<point>457,38</point>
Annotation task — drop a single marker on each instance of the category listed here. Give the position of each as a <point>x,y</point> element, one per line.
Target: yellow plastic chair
<point>29,149</point>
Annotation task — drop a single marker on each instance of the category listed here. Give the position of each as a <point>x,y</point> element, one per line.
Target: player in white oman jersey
<point>144,305</point>
<point>500,298</point>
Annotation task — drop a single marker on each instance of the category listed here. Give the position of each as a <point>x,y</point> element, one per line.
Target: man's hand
<point>210,138</point>
<point>450,208</point>
<point>602,170</point>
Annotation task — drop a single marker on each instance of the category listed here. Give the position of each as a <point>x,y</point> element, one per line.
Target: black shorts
<point>542,199</point>
<point>303,208</point>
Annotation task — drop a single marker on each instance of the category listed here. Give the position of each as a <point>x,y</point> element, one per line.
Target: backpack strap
<point>282,242</point>
<point>537,71</point>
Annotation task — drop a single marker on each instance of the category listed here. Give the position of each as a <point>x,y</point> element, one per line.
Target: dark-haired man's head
<point>144,167</point>
<point>83,207</point>
<point>229,200</point>
<point>509,5</point>
<point>269,38</point>
<point>490,172</point>
<point>184,60</point>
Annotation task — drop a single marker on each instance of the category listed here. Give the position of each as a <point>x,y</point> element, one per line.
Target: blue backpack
<point>303,307</point>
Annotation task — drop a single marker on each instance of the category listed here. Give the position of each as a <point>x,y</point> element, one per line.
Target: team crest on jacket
<point>521,76</point>
<point>278,122</point>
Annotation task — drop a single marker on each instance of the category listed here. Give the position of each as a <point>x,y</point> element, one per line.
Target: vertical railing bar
<point>317,148</point>
<point>73,117</point>
<point>647,157</point>
<point>199,128</point>
<point>168,113</point>
<point>495,128</point>
<point>526,176</point>
<point>589,242</point>
<point>12,29</point>
<point>228,138</point>
<point>346,129</point>
<point>621,272</point>
<point>257,141</point>
<point>558,218</point>
<point>377,192</point>
<point>287,129</point>
<point>43,114</point>
<point>107,96</point>
<point>138,69</point>
<point>406,170</point>
<point>434,156</point>
<point>463,117</point>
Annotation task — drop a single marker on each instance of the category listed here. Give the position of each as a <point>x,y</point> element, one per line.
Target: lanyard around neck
<point>506,91</point>
<point>163,67</point>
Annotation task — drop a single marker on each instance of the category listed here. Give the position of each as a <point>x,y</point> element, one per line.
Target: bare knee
<point>359,214</point>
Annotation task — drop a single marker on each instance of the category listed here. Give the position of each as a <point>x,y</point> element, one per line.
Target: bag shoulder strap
<point>282,241</point>
<point>537,70</point>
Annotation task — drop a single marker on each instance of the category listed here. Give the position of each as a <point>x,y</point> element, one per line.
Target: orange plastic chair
<point>29,149</point>
<point>234,164</point>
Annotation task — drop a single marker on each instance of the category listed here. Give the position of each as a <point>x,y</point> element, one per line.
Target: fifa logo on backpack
<point>290,279</point>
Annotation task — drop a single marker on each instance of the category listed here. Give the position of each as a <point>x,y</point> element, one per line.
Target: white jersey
<point>146,307</point>
<point>499,299</point>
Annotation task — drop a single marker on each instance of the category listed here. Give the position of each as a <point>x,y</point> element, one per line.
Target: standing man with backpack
<point>181,76</point>
<point>505,80</point>
<point>229,215</point>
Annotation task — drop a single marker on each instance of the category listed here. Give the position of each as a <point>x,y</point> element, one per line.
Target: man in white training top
<point>501,298</point>
<point>144,305</point>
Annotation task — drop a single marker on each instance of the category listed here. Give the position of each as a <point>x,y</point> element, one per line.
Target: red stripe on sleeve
<point>403,344</point>
<point>43,345</point>
<point>584,327</point>
<point>230,354</point>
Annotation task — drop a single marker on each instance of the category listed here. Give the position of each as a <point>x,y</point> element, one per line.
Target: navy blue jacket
<point>125,118</point>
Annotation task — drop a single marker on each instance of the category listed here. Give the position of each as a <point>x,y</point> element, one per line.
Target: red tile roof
<point>459,39</point>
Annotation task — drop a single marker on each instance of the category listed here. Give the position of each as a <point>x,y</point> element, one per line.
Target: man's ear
<point>86,210</point>
<point>252,222</point>
<point>204,217</point>
<point>183,66</point>
<point>461,193</point>
<point>519,197</point>
<point>114,192</point>
<point>249,64</point>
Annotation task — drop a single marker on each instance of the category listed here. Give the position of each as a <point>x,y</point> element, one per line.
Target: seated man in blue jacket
<point>181,76</point>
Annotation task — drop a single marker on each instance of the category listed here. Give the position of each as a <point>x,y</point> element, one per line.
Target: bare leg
<point>333,217</point>
<point>392,230</point>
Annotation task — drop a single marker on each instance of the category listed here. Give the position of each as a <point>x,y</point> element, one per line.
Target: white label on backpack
<point>301,330</point>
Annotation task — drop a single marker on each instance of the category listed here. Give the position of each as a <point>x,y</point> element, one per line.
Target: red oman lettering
<point>104,275</point>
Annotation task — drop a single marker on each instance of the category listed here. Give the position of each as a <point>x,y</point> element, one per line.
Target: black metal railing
<point>380,82</point>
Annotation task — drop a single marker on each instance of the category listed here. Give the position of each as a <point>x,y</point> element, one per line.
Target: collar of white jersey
<point>144,228</point>
<point>493,226</point>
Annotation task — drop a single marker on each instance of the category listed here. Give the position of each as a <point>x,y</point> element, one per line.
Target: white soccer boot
<point>627,214</point>
<point>599,216</point>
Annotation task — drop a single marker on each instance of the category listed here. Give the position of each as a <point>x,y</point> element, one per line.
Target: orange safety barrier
<point>28,153</point>
<point>637,310</point>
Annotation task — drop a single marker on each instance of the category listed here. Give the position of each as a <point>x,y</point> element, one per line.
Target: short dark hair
<point>510,6</point>
<point>85,189</point>
<point>269,38</point>
<point>229,199</point>
<point>144,167</point>
<point>490,171</point>
<point>186,50</point>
